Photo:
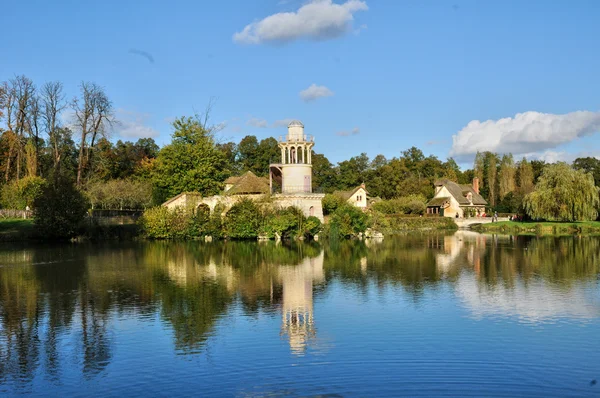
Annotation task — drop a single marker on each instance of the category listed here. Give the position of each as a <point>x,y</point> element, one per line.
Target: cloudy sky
<point>375,76</point>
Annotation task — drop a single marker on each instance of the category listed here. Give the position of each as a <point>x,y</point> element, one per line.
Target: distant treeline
<point>43,131</point>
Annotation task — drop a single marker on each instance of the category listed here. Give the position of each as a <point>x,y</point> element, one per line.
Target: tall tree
<point>478,169</point>
<point>525,177</point>
<point>248,153</point>
<point>564,194</point>
<point>353,171</point>
<point>589,165</point>
<point>53,103</point>
<point>191,162</point>
<point>506,176</point>
<point>93,115</point>
<point>325,176</point>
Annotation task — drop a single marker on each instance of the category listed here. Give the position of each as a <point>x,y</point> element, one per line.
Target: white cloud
<point>354,131</point>
<point>316,20</point>
<point>133,125</point>
<point>313,92</point>
<point>281,122</point>
<point>527,132</point>
<point>256,122</point>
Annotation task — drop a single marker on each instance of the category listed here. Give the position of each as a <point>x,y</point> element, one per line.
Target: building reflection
<point>515,277</point>
<point>297,311</point>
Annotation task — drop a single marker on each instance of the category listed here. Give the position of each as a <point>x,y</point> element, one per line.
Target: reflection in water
<point>59,306</point>
<point>514,279</point>
<point>297,309</point>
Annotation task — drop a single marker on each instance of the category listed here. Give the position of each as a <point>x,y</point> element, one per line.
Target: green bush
<point>331,202</point>
<point>59,209</point>
<point>163,223</point>
<point>22,193</point>
<point>411,204</point>
<point>348,220</point>
<point>243,220</point>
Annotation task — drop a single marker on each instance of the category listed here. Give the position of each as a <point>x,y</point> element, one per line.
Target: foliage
<point>191,162</point>
<point>589,165</point>
<point>243,220</point>
<point>348,220</point>
<point>60,208</point>
<point>331,202</point>
<point>563,194</point>
<point>21,193</point>
<point>398,223</point>
<point>119,194</point>
<point>163,223</point>
<point>411,204</point>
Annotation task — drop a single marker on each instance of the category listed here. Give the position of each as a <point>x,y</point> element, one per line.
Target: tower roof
<point>295,123</point>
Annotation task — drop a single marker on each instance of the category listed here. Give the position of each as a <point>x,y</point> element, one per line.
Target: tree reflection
<point>49,295</point>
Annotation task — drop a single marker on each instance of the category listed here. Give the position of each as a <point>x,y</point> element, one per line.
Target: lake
<point>459,314</point>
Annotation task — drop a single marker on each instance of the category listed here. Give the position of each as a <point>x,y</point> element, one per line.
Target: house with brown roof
<point>356,197</point>
<point>248,183</point>
<point>452,199</point>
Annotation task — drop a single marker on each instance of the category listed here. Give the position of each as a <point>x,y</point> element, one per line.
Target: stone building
<point>289,182</point>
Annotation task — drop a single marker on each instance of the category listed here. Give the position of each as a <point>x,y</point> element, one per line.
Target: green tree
<point>324,175</point>
<point>525,177</point>
<point>589,165</point>
<point>191,162</point>
<point>564,194</point>
<point>60,208</point>
<point>506,176</point>
<point>353,171</point>
<point>248,153</point>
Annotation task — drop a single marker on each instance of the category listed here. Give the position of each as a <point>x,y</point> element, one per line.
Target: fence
<point>14,213</point>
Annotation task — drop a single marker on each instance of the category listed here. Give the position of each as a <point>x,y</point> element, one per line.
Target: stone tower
<point>296,160</point>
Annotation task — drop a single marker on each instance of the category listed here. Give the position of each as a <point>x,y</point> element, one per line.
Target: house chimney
<point>476,185</point>
<point>363,186</point>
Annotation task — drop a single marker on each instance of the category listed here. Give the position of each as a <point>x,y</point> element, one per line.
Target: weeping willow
<point>563,194</point>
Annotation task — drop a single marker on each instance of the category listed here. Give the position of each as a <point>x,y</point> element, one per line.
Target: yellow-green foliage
<point>163,223</point>
<point>563,194</point>
<point>22,193</point>
<point>403,224</point>
<point>411,204</point>
<point>245,220</point>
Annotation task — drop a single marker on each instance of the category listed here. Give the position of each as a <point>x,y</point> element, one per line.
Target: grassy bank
<point>541,228</point>
<point>402,223</point>
<point>15,230</point>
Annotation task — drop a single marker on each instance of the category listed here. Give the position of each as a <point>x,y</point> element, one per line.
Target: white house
<point>356,197</point>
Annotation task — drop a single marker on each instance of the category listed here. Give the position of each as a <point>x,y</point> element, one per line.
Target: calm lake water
<point>420,315</point>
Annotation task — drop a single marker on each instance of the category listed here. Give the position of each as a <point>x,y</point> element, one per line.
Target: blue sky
<point>387,74</point>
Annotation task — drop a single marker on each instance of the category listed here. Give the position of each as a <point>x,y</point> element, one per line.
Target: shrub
<point>243,220</point>
<point>411,204</point>
<point>348,221</point>
<point>331,202</point>
<point>59,209</point>
<point>22,193</point>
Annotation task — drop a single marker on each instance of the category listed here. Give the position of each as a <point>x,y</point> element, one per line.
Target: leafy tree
<point>525,177</point>
<point>60,208</point>
<point>325,176</point>
<point>353,171</point>
<point>589,165</point>
<point>563,194</point>
<point>191,162</point>
<point>331,202</point>
<point>506,176</point>
<point>248,153</point>
<point>21,193</point>
<point>243,220</point>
